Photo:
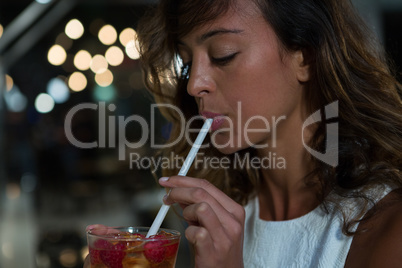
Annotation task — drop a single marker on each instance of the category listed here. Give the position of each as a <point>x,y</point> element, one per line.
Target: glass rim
<point>139,229</point>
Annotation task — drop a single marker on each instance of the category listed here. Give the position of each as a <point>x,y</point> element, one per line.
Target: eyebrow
<point>215,32</point>
<point>219,32</point>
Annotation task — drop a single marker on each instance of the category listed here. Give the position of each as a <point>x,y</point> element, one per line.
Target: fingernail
<point>164,179</point>
<point>90,227</point>
<point>165,197</point>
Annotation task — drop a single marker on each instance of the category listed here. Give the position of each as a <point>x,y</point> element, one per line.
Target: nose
<point>200,80</point>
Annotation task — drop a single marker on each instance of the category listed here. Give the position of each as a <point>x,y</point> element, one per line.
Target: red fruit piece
<point>95,252</point>
<point>94,256</point>
<point>171,249</point>
<point>155,251</point>
<point>114,255</point>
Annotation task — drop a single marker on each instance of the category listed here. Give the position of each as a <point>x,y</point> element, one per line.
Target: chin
<point>227,150</point>
<point>226,145</point>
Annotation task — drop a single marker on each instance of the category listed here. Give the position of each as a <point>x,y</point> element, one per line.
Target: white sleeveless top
<point>313,240</point>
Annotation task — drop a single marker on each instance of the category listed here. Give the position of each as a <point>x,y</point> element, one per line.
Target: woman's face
<point>241,78</point>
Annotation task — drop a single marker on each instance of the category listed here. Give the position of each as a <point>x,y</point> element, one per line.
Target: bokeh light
<point>58,90</point>
<point>98,64</point>
<point>82,60</point>
<point>1,30</point>
<point>43,1</point>
<point>84,252</point>
<point>132,50</point>
<point>114,56</point>
<point>77,81</point>
<point>107,35</point>
<point>16,101</point>
<point>9,82</point>
<point>74,29</point>
<point>127,35</point>
<point>7,248</point>
<point>44,103</point>
<point>106,94</point>
<point>13,190</point>
<point>68,257</point>
<point>104,79</point>
<point>56,55</point>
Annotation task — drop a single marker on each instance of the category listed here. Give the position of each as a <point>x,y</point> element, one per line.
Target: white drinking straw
<point>183,171</point>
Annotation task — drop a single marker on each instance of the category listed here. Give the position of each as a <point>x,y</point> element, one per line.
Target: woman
<point>260,69</point>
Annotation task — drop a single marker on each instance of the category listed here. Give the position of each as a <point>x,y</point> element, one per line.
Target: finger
<point>99,229</point>
<point>198,190</point>
<point>203,215</point>
<point>94,226</point>
<point>189,196</point>
<point>201,240</point>
<point>188,182</point>
<point>213,216</point>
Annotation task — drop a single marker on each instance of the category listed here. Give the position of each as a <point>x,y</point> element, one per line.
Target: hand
<point>216,221</point>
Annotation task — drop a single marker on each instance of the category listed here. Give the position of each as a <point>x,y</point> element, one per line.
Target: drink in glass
<point>127,247</point>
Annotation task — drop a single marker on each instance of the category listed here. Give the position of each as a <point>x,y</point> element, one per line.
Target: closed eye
<point>224,60</point>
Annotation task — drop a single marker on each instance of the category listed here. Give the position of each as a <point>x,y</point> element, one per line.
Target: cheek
<point>265,91</point>
<point>269,87</point>
<point>261,78</point>
<point>255,126</point>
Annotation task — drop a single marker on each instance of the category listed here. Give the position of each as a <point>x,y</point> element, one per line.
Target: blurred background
<point>69,72</point>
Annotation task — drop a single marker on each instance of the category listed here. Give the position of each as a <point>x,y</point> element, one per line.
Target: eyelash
<point>185,70</point>
<point>224,60</point>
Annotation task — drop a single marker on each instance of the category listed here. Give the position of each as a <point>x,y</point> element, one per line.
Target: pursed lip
<point>210,114</point>
<point>218,119</point>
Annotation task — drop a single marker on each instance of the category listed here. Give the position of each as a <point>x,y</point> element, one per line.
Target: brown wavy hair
<point>347,65</point>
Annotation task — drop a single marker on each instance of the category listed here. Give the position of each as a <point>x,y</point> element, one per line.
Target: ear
<point>302,67</point>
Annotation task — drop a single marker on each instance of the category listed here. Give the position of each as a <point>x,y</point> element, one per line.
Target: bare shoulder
<point>380,242</point>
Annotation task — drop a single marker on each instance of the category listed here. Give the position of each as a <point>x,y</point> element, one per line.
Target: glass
<point>127,247</point>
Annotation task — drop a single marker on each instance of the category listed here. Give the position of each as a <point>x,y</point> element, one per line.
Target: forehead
<point>240,16</point>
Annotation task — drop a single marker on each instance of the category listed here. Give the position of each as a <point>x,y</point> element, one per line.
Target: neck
<point>284,193</point>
